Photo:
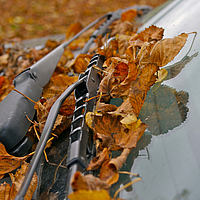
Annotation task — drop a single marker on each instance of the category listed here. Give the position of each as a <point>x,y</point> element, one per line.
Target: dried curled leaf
<point>8,162</point>
<point>149,34</point>
<point>128,15</point>
<point>117,82</point>
<point>109,170</point>
<point>98,161</point>
<point>73,30</point>
<point>87,182</point>
<point>8,192</point>
<point>81,62</point>
<point>118,136</point>
<point>57,85</point>
<point>165,50</point>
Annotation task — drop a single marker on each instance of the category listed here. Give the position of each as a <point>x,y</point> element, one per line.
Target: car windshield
<point>167,156</point>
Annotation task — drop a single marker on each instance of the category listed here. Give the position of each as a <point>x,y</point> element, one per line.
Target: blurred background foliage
<point>36,18</point>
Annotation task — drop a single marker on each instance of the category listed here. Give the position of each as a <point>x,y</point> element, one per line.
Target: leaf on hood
<point>57,85</point>
<point>8,162</point>
<point>117,82</point>
<point>81,62</point>
<point>98,161</point>
<point>118,135</point>
<point>8,192</point>
<point>73,30</point>
<point>62,122</point>
<point>17,180</point>
<point>87,182</point>
<point>129,15</point>
<point>5,191</point>
<point>5,87</point>
<point>141,86</point>
<point>66,56</point>
<point>149,34</point>
<point>165,50</point>
<point>110,168</point>
<point>89,195</point>
<point>109,174</point>
<point>103,108</point>
<point>119,161</point>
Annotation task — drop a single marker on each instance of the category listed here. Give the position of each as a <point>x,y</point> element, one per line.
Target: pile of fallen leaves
<point>133,65</point>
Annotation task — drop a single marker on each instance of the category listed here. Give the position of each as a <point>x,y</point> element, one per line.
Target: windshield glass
<point>167,156</point>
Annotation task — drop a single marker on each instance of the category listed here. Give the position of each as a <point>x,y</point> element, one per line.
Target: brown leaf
<point>109,169</point>
<point>5,87</point>
<point>5,191</point>
<point>129,15</point>
<point>17,181</point>
<point>87,182</point>
<point>66,56</point>
<point>108,173</point>
<point>98,161</point>
<point>8,192</point>
<point>79,43</point>
<point>149,34</point>
<point>8,162</point>
<point>122,43</point>
<point>57,85</point>
<point>141,86</point>
<point>117,82</point>
<point>103,108</point>
<point>118,136</point>
<point>62,122</point>
<point>130,139</point>
<point>81,62</point>
<point>119,161</point>
<point>73,30</point>
<point>165,50</point>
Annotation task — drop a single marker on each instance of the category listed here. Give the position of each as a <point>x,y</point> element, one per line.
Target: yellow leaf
<point>162,74</point>
<point>89,195</point>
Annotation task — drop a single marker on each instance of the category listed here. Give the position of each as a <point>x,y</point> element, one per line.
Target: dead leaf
<point>108,173</point>
<point>119,161</point>
<point>87,182</point>
<point>116,84</point>
<point>129,15</point>
<point>109,169</point>
<point>17,181</point>
<point>8,162</point>
<point>141,86</point>
<point>57,85</point>
<point>8,192</point>
<point>73,30</point>
<point>89,195</point>
<point>66,56</point>
<point>149,34</point>
<point>165,50</point>
<point>6,87</point>
<point>118,135</point>
<point>98,161</point>
<point>81,62</point>
<point>5,191</point>
<point>103,108</point>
